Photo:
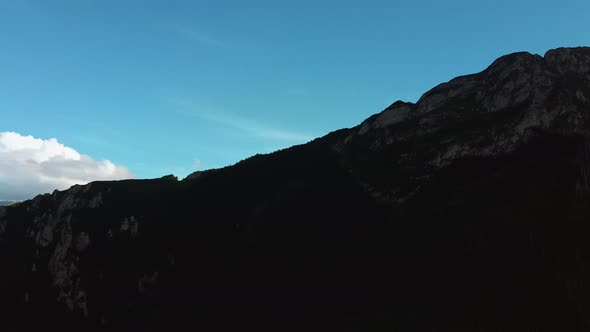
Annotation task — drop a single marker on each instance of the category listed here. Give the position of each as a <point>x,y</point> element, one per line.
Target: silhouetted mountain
<point>467,211</point>
<point>5,203</point>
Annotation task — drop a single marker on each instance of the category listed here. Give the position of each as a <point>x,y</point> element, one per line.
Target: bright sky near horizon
<point>146,88</point>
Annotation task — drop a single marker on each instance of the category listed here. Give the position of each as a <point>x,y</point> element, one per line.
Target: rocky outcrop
<point>525,83</point>
<point>485,114</point>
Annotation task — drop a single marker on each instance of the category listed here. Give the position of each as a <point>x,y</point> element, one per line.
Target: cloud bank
<point>31,166</point>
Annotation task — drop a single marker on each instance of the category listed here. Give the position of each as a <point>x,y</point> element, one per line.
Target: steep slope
<point>465,211</point>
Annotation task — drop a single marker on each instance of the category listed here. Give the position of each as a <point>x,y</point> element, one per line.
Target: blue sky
<point>170,86</point>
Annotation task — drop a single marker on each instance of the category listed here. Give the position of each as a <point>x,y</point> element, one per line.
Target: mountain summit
<point>468,210</point>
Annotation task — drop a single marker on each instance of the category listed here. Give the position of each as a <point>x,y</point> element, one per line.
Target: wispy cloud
<point>197,164</point>
<point>246,125</point>
<point>200,36</point>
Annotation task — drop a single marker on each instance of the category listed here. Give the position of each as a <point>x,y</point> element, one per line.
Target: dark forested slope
<point>468,210</point>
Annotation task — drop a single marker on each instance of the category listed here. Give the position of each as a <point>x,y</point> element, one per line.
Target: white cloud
<point>31,166</point>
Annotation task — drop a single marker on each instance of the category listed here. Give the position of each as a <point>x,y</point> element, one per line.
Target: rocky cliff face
<point>465,211</point>
<point>485,114</point>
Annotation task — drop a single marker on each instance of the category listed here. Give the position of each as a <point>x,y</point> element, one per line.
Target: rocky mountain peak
<point>537,91</point>
<point>572,60</point>
<point>490,113</point>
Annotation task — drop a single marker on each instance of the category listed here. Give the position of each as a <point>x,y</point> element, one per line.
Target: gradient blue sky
<point>158,85</point>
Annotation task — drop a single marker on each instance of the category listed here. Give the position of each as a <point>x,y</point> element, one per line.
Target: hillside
<point>468,210</point>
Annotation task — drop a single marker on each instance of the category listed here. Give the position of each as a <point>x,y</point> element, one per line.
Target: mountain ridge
<point>466,210</point>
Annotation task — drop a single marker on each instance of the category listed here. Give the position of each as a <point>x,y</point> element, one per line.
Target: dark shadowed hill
<point>467,211</point>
